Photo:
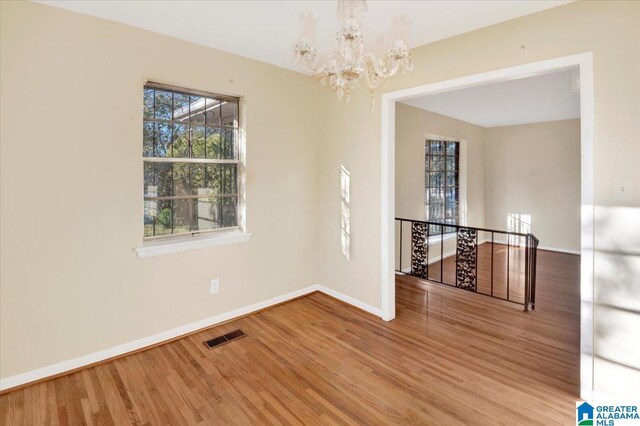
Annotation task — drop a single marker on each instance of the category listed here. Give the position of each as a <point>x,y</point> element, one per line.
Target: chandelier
<point>343,68</point>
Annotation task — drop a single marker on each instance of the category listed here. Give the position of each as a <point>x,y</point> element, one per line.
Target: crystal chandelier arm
<point>331,64</point>
<point>382,67</point>
<point>306,56</point>
<point>374,76</point>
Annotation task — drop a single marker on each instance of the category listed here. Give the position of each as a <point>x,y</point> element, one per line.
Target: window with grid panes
<point>190,157</point>
<point>442,184</point>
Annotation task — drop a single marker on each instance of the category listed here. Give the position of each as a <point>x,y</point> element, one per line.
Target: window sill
<point>158,248</point>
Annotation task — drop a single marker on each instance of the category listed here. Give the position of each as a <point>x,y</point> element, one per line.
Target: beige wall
<point>71,172</point>
<point>531,169</point>
<point>608,29</point>
<point>534,170</point>
<point>412,127</point>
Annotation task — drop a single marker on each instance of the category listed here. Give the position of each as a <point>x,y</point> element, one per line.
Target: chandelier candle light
<point>342,68</point>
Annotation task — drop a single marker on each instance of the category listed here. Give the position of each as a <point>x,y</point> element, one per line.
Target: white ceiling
<point>268,30</point>
<point>547,97</point>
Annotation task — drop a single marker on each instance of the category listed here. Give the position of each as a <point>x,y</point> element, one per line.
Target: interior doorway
<point>584,63</point>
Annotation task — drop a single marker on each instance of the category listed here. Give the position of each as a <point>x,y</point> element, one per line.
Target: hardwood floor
<point>450,357</point>
<point>445,271</point>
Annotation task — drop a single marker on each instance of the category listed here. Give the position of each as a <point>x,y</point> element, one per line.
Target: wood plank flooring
<point>450,357</point>
<point>495,285</point>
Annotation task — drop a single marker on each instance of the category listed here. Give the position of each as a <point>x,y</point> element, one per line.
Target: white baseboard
<point>350,300</point>
<point>75,363</point>
<point>561,250</point>
<point>432,260</point>
<point>558,249</point>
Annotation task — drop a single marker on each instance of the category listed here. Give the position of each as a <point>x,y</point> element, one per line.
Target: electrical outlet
<point>214,286</point>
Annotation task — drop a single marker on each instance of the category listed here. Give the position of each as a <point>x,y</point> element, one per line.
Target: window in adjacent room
<point>442,183</point>
<point>190,157</point>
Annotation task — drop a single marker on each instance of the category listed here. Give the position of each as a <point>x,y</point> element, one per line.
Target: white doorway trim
<point>585,62</point>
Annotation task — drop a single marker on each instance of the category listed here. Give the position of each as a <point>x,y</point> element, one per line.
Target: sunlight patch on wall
<point>518,222</point>
<point>345,206</point>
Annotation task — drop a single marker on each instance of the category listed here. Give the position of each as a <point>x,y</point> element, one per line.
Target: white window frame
<point>160,245</point>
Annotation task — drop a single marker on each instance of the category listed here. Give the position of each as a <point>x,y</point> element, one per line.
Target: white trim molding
<point>116,351</point>
<point>350,300</point>
<point>387,199</point>
<point>559,250</point>
<point>158,248</point>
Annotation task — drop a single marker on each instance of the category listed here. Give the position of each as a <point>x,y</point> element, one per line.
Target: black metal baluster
<point>477,239</point>
<point>455,278</point>
<point>527,284</point>
<point>411,249</point>
<point>441,254</point>
<point>401,245</point>
<point>533,280</point>
<point>428,235</point>
<point>508,253</point>
<point>492,237</point>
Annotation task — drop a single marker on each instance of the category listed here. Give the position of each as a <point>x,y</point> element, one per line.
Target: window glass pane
<point>162,140</point>
<point>147,144</point>
<point>228,207</point>
<point>181,178</point>
<point>436,195</point>
<point>180,141</point>
<point>183,213</point>
<point>180,107</point>
<point>228,143</point>
<point>163,221</point>
<point>436,180</point>
<point>451,164</point>
<point>213,142</point>
<point>197,141</point>
<point>215,212</point>
<point>164,102</point>
<point>452,179</point>
<point>213,112</point>
<point>229,114</point>
<point>436,211</point>
<point>159,176</point>
<point>214,178</point>
<point>437,148</point>
<point>199,179</point>
<point>197,104</point>
<point>230,178</point>
<point>452,148</point>
<point>451,210</point>
<point>148,103</point>
<point>452,195</point>
<point>436,163</point>
<point>207,214</point>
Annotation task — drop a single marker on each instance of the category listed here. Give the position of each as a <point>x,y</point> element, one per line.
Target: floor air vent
<point>225,338</point>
